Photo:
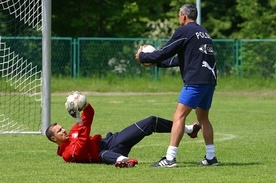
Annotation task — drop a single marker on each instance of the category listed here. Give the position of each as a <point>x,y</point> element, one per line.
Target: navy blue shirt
<point>195,57</point>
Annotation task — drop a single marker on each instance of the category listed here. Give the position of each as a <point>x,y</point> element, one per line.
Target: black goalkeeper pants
<point>120,143</point>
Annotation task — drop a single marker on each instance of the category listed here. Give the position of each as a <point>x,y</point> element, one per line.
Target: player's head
<point>186,13</point>
<point>56,133</point>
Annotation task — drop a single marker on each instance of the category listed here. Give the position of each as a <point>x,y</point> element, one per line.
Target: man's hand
<point>75,103</point>
<point>137,54</point>
<point>146,49</point>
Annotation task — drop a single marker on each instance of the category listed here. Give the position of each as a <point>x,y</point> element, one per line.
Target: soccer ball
<point>75,103</point>
<point>147,49</point>
<point>76,100</point>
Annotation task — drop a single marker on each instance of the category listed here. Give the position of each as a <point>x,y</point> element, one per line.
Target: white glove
<point>75,102</point>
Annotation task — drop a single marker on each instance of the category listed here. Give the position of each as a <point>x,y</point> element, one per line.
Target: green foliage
<point>237,19</point>
<point>160,29</point>
<point>224,51</point>
<point>219,18</point>
<point>101,57</point>
<point>258,19</point>
<point>62,57</point>
<point>218,26</point>
<point>258,59</point>
<point>104,18</point>
<point>231,19</point>
<point>98,57</point>
<point>3,25</point>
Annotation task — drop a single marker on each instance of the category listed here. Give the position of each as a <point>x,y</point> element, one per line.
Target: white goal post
<point>25,66</point>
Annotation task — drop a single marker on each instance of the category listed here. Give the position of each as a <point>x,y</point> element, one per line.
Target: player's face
<point>60,134</point>
<point>181,18</point>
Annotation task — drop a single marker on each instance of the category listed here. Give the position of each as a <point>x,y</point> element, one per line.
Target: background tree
<point>108,18</point>
<point>258,19</point>
<point>219,18</point>
<point>105,18</point>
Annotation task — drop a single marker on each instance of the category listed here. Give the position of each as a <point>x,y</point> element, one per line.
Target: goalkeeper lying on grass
<point>78,146</point>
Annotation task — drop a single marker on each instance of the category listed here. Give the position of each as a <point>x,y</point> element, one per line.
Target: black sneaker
<point>163,162</point>
<point>207,162</point>
<point>196,128</point>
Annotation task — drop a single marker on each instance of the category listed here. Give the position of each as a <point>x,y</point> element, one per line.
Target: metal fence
<point>257,57</point>
<point>100,57</point>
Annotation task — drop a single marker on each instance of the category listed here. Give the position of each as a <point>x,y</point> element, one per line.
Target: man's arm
<point>170,49</point>
<point>87,115</point>
<point>79,136</point>
<point>171,62</point>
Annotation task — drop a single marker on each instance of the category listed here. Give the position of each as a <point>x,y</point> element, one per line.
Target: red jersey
<point>81,147</point>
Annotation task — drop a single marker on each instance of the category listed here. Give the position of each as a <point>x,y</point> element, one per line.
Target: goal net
<point>20,66</point>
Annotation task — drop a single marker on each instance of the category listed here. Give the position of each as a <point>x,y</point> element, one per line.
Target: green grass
<point>243,117</point>
<point>146,84</point>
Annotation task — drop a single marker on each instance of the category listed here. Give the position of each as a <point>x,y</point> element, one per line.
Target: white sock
<point>210,151</point>
<point>171,153</point>
<point>120,158</point>
<point>188,128</point>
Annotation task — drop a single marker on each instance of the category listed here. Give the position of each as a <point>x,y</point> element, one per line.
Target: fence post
<point>240,50</point>
<point>74,56</point>
<point>237,57</point>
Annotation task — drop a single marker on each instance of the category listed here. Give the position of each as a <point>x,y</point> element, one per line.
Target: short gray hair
<point>190,10</point>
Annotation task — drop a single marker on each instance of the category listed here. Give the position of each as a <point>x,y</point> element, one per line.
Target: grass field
<point>244,124</point>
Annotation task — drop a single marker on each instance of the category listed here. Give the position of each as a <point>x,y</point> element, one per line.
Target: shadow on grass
<point>222,164</point>
<point>240,164</point>
<point>193,164</point>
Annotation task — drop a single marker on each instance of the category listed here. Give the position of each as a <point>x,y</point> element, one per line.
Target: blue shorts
<point>197,96</point>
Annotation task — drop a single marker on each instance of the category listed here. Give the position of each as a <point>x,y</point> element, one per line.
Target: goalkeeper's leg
<point>134,133</point>
<point>122,142</point>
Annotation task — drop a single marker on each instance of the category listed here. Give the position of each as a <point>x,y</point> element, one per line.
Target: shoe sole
<point>128,164</point>
<point>124,165</point>
<point>194,134</point>
<point>171,166</point>
<point>167,166</point>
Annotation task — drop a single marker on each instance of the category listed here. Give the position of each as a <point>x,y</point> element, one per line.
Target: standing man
<point>196,61</point>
